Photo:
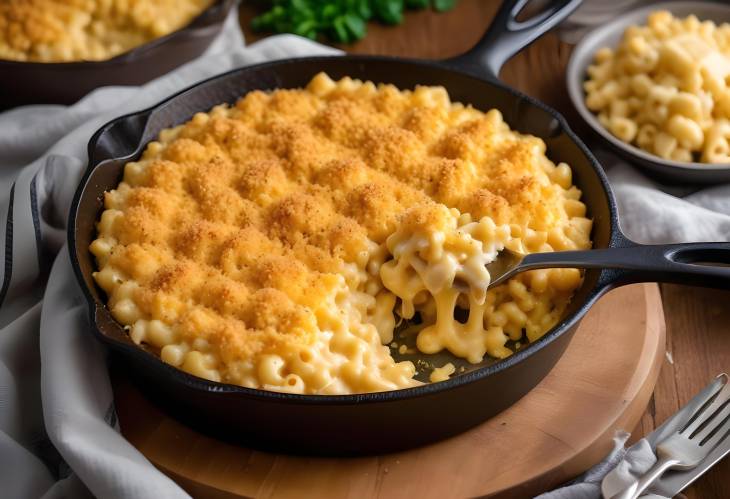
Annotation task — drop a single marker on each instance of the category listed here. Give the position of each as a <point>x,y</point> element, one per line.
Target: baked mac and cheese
<point>87,30</point>
<point>277,243</point>
<point>666,88</point>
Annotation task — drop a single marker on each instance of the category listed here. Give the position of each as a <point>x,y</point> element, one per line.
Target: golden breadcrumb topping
<point>87,30</point>
<point>246,245</point>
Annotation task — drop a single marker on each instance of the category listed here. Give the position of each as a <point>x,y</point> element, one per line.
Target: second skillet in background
<point>24,83</point>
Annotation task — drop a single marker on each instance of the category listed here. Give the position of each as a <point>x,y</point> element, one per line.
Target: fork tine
<point>711,423</point>
<point>698,418</point>
<point>721,433</point>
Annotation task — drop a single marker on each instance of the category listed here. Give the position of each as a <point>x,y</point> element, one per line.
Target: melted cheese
<point>437,252</point>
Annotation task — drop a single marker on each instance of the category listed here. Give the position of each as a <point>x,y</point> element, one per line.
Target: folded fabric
<point>54,382</point>
<point>654,213</point>
<point>625,465</point>
<point>58,431</point>
<point>592,13</point>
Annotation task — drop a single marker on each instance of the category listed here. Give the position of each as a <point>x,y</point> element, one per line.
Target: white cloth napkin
<point>654,213</point>
<point>593,13</point>
<point>58,431</point>
<point>625,464</point>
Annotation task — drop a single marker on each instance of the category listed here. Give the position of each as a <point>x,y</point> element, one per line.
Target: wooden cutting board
<point>561,428</point>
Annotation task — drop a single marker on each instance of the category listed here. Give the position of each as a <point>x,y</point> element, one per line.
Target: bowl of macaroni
<point>655,84</point>
<point>56,51</point>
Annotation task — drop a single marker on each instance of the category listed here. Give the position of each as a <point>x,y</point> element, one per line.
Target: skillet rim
<point>605,280</point>
<point>217,12</point>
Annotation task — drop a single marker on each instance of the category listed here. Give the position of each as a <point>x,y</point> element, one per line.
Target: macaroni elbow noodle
<point>666,88</point>
<point>277,243</point>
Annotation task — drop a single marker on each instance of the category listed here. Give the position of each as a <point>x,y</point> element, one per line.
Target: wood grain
<point>698,334</point>
<point>562,427</point>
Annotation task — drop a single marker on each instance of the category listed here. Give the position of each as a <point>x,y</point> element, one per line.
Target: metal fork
<point>687,447</point>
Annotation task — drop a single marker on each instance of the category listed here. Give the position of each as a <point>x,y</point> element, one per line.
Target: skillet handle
<point>697,264</point>
<point>700,264</point>
<point>506,35</point>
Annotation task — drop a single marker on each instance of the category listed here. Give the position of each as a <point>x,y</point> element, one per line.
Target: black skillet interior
<point>351,424</point>
<point>64,83</point>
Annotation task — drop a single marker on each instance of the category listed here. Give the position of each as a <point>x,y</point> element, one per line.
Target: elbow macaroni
<point>275,244</point>
<point>666,88</point>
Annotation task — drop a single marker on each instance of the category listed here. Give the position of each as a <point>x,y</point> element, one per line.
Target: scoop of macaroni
<point>276,243</point>
<point>437,255</point>
<point>88,30</point>
<point>666,88</point>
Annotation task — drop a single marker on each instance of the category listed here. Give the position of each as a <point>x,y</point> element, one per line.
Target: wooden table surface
<point>698,331</point>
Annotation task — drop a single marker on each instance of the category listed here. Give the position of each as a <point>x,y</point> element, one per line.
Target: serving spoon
<point>689,263</point>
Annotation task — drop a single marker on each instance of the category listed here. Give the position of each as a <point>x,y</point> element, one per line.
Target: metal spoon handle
<point>704,264</point>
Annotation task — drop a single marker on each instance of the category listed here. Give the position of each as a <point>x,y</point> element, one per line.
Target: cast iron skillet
<point>66,82</point>
<point>372,422</point>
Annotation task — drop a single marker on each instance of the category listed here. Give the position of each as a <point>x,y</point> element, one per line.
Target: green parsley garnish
<point>342,21</point>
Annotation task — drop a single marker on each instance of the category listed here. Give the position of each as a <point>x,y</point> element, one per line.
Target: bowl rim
<point>575,76</point>
<point>604,282</point>
<point>214,14</point>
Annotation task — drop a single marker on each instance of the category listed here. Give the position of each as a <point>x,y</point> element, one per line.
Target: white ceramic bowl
<point>609,35</point>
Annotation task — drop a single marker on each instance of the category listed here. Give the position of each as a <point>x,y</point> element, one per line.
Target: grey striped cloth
<point>58,431</point>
